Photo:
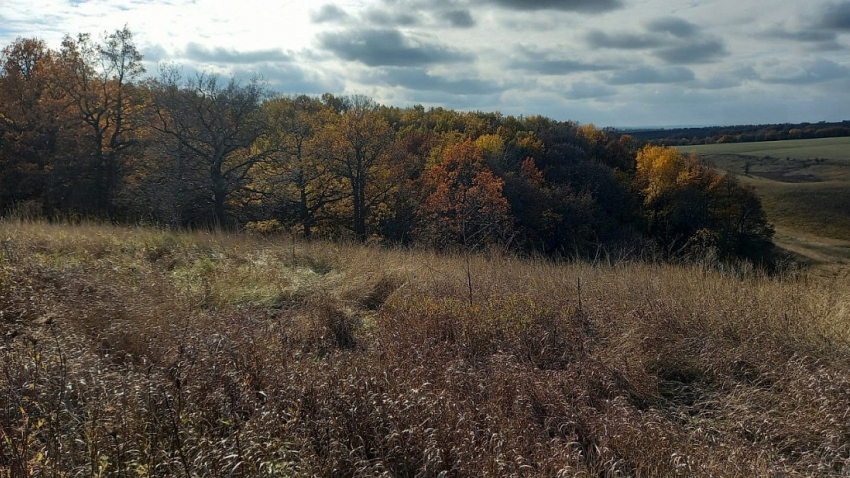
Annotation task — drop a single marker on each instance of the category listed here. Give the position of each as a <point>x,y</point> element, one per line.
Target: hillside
<point>133,351</point>
<point>804,186</point>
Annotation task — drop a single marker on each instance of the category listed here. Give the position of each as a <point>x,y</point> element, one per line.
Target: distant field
<point>804,186</point>
<point>825,148</point>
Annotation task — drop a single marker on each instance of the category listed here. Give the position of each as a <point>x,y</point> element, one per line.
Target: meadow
<point>804,186</point>
<point>835,149</point>
<point>146,352</point>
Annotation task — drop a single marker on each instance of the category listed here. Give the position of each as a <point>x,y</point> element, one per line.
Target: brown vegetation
<point>140,352</point>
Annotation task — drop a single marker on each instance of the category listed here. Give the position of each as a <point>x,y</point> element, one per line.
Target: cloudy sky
<point>608,62</point>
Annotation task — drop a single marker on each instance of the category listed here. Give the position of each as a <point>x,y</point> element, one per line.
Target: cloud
<point>329,13</point>
<point>393,14</point>
<point>387,18</point>
<point>582,91</point>
<point>458,18</point>
<point>582,6</point>
<point>671,39</point>
<point>819,31</point>
<point>154,53</point>
<point>200,53</point>
<point>557,67</point>
<point>728,79</point>
<point>551,62</point>
<point>836,17</point>
<point>290,78</point>
<point>387,47</point>
<point>689,53</point>
<point>674,26</point>
<point>818,70</point>
<point>649,75</point>
<point>419,79</point>
<point>807,36</point>
<point>623,41</point>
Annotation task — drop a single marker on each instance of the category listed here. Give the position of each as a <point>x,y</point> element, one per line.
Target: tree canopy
<point>83,134</point>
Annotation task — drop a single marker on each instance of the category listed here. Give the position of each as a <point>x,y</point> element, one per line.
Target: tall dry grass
<point>143,352</point>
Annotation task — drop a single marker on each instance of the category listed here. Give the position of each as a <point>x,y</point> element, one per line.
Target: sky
<point>620,63</point>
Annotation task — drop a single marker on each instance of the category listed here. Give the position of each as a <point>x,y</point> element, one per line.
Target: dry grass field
<point>805,188</point>
<point>142,352</point>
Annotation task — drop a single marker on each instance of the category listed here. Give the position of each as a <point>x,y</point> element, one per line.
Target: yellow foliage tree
<point>661,171</point>
<point>491,144</point>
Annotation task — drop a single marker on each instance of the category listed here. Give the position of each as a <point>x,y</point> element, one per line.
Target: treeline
<point>742,133</point>
<point>83,134</point>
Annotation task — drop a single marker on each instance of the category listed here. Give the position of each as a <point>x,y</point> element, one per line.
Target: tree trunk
<point>306,220</point>
<point>219,195</point>
<point>359,210</point>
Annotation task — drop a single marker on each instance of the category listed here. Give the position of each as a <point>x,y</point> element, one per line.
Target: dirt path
<point>825,253</point>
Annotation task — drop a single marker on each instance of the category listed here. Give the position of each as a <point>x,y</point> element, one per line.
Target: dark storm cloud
<point>583,6</point>
<point>458,18</point>
<point>836,16</point>
<point>649,75</point>
<point>329,13</point>
<point>421,80</point>
<point>623,41</point>
<point>689,53</point>
<point>674,26</point>
<point>200,53</point>
<point>387,47</point>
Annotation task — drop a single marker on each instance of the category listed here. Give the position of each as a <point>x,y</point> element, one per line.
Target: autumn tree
<point>466,205</point>
<point>297,178</point>
<point>357,145</point>
<point>217,125</point>
<point>98,78</point>
<point>690,206</point>
<point>410,155</point>
<point>741,222</point>
<point>28,121</point>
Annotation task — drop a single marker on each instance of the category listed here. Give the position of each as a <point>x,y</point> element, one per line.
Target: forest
<point>86,133</point>
<point>743,133</point>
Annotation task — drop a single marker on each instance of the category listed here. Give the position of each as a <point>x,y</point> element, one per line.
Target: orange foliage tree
<point>466,205</point>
